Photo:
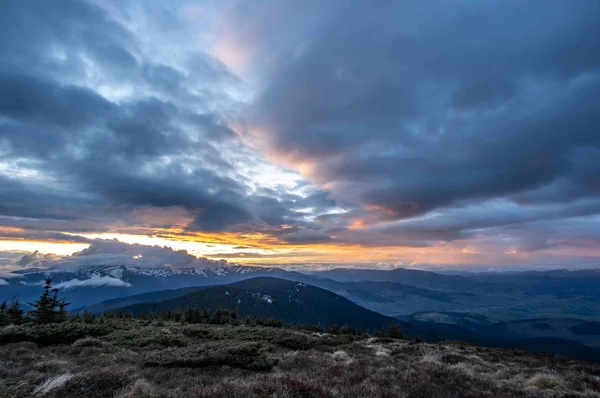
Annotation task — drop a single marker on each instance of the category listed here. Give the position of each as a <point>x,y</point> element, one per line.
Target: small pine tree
<point>4,318</point>
<point>63,314</point>
<point>49,307</point>
<point>333,329</point>
<point>216,318</point>
<point>15,312</point>
<point>394,331</point>
<point>43,308</point>
<point>60,308</point>
<point>88,317</point>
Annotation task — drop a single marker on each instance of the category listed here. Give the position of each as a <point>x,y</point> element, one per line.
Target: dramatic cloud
<point>97,123</point>
<point>340,131</point>
<point>411,107</point>
<point>3,282</point>
<point>36,258</point>
<point>442,116</point>
<point>113,252</point>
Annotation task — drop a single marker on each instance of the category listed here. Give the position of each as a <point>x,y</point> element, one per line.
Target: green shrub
<point>200,332</point>
<point>88,342</point>
<point>337,340</point>
<point>147,336</point>
<point>295,341</point>
<point>165,340</point>
<point>308,327</point>
<point>250,356</point>
<point>285,338</point>
<point>51,333</point>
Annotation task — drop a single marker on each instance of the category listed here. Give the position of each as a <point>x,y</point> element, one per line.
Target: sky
<point>455,133</point>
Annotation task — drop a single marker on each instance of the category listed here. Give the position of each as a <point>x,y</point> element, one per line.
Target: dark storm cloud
<point>29,98</point>
<point>33,200</point>
<point>46,39</point>
<point>43,236</point>
<point>414,107</point>
<point>159,145</point>
<point>421,122</point>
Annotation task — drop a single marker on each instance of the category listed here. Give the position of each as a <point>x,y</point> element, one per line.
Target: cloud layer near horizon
<point>113,252</point>
<point>463,132</point>
<point>93,281</point>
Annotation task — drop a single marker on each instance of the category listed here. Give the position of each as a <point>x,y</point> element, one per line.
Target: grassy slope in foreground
<point>135,358</point>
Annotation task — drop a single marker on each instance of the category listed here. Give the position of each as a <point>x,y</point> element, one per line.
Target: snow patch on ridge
<point>264,297</point>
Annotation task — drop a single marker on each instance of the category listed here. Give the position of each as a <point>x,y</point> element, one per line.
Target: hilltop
<point>292,302</point>
<point>129,358</point>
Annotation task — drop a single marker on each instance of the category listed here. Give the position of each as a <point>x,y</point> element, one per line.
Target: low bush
<point>201,332</point>
<point>546,381</point>
<point>295,341</point>
<point>337,340</point>
<point>453,358</point>
<point>51,333</point>
<point>251,356</point>
<point>88,342</point>
<point>280,337</point>
<point>145,337</point>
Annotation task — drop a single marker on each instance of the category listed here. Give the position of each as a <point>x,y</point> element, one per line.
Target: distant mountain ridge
<point>293,302</point>
<point>120,302</point>
<point>436,305</point>
<point>91,284</point>
<point>417,278</point>
<point>119,270</point>
<point>561,336</point>
<point>398,292</point>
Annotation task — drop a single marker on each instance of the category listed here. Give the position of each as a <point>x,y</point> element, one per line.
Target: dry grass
<point>136,361</point>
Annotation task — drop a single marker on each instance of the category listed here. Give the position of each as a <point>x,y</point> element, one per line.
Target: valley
<point>496,310</point>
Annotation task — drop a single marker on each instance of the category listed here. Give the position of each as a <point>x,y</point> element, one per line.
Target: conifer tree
<point>394,331</point>
<point>63,314</point>
<point>43,308</point>
<point>216,319</point>
<point>4,319</point>
<point>49,307</point>
<point>15,312</point>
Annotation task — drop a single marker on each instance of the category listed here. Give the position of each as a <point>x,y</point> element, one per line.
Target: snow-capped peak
<point>119,271</point>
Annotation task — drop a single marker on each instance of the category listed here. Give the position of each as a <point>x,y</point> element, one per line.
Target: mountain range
<point>88,285</point>
<point>487,308</point>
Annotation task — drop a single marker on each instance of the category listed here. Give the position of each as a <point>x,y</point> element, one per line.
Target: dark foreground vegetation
<point>126,357</point>
<point>198,353</point>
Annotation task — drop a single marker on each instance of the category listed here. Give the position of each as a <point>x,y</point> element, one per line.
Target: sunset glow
<point>280,133</point>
